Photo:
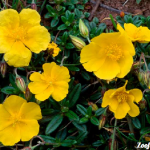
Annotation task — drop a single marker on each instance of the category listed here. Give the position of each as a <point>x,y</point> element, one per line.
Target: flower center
<point>16,119</point>
<point>113,51</point>
<point>121,97</point>
<point>18,34</point>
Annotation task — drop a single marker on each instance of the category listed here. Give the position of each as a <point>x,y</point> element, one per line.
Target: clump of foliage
<point>79,121</point>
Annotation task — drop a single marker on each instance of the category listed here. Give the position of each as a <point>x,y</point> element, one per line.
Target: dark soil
<point>131,7</point>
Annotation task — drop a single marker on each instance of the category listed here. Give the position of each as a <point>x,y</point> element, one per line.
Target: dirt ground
<point>131,7</point>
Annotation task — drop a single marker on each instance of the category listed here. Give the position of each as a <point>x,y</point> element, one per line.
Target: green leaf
<point>145,130</point>
<point>9,90</point>
<point>84,120</point>
<point>50,10</point>
<point>89,111</point>
<point>81,109</point>
<point>74,95</point>
<point>54,22</point>
<point>85,75</point>
<point>148,118</point>
<point>136,123</point>
<point>138,1</point>
<point>100,111</point>
<point>113,22</point>
<point>80,127</point>
<point>54,123</point>
<point>64,19</point>
<point>72,116</point>
<point>48,139</point>
<point>73,68</point>
<point>62,27</point>
<point>71,18</point>
<point>69,46</point>
<point>68,143</point>
<point>81,136</point>
<point>148,22</point>
<point>94,121</point>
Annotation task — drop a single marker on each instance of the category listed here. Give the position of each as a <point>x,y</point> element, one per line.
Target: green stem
<point>130,124</point>
<point>113,137</point>
<point>88,39</point>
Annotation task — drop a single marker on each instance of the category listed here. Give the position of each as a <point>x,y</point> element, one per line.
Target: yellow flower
<point>53,81</point>
<point>121,101</point>
<point>140,34</point>
<point>109,55</point>
<point>53,49</point>
<point>21,34</point>
<point>18,120</point>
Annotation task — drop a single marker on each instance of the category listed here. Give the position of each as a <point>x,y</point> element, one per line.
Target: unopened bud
<point>140,76</point>
<point>94,106</point>
<point>115,144</point>
<point>136,65</point>
<point>102,121</point>
<point>78,43</point>
<point>27,94</point>
<point>83,29</point>
<point>3,68</point>
<point>33,5</point>
<point>142,104</point>
<point>20,83</point>
<point>122,14</point>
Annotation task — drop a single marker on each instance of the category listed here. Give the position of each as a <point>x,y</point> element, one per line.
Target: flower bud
<point>115,144</point>
<point>33,5</point>
<point>140,76</point>
<point>102,121</point>
<point>83,29</point>
<point>136,65</point>
<point>3,68</point>
<point>142,104</point>
<point>122,14</point>
<point>20,83</point>
<point>78,43</point>
<point>27,94</point>
<point>94,106</point>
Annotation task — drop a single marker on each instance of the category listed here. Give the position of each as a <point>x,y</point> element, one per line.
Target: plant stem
<point>113,137</point>
<point>88,40</point>
<point>130,124</point>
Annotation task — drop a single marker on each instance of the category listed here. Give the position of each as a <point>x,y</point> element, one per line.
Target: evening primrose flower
<point>140,34</point>
<point>18,120</point>
<point>52,82</point>
<point>21,34</point>
<point>53,49</point>
<point>109,55</point>
<point>121,101</point>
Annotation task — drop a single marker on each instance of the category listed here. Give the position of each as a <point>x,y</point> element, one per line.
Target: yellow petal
<point>107,99</point>
<point>4,118</point>
<point>12,102</point>
<point>36,76</point>
<point>137,94</point>
<point>92,57</point>
<point>28,129</point>
<point>37,39</point>
<point>9,18</point>
<point>125,64</point>
<point>5,42</point>
<point>123,88</point>
<point>122,110</point>
<point>10,135</point>
<point>18,56</point>
<point>62,89</point>
<point>108,70</point>
<point>38,86</point>
<point>29,18</point>
<point>30,111</point>
<point>134,110</point>
<point>55,72</point>
<point>131,30</point>
<point>45,94</point>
